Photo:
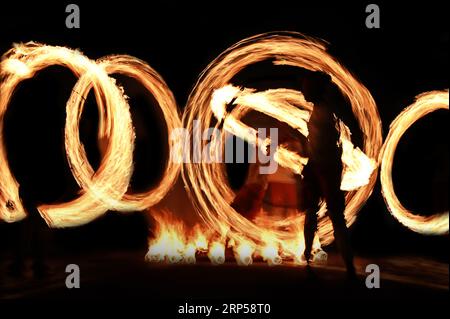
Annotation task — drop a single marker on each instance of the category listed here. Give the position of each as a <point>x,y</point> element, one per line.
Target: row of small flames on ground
<point>175,243</point>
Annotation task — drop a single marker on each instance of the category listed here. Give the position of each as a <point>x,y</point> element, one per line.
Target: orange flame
<point>173,242</point>
<point>104,189</point>
<point>207,182</point>
<point>273,240</point>
<point>424,104</point>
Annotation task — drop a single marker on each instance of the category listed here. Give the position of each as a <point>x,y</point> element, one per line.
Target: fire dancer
<point>34,231</point>
<point>40,181</point>
<point>322,175</point>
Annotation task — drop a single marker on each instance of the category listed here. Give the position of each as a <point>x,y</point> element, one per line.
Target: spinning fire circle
<point>105,188</point>
<point>423,105</point>
<point>207,182</point>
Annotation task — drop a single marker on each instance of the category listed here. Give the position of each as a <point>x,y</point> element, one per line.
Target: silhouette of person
<point>322,175</point>
<point>32,234</point>
<point>33,137</point>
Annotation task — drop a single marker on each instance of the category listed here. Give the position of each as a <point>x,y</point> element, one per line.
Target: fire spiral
<point>106,188</point>
<point>207,182</point>
<point>424,104</point>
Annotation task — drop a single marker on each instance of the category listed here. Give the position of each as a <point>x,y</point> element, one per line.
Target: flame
<point>295,248</point>
<point>243,251</point>
<point>424,104</point>
<point>207,182</point>
<point>282,105</point>
<point>358,167</point>
<point>21,63</point>
<point>104,189</point>
<point>216,253</point>
<point>270,238</point>
<point>274,103</point>
<point>270,248</point>
<point>173,242</point>
<point>200,240</point>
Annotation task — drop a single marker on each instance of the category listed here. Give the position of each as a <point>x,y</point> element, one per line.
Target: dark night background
<point>407,56</point>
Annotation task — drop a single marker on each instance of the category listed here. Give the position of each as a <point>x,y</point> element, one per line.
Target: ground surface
<point>127,276</point>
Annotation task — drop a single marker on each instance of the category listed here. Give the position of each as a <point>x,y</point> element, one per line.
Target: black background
<point>407,56</point>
